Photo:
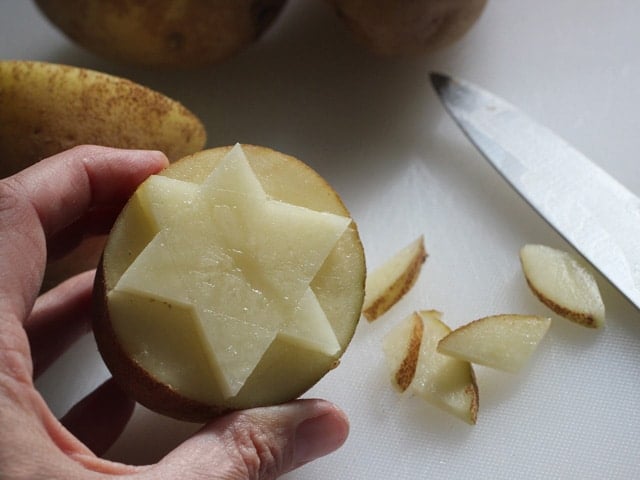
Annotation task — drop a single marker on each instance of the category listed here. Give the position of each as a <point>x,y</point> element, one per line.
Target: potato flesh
<point>503,342</point>
<point>170,349</point>
<point>564,284</point>
<point>261,257</point>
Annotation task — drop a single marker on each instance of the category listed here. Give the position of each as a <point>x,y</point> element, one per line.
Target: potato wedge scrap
<point>503,342</point>
<point>563,284</point>
<point>443,381</point>
<point>232,279</point>
<point>387,284</point>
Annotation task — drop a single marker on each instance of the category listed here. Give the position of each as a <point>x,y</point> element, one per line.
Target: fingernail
<point>318,436</point>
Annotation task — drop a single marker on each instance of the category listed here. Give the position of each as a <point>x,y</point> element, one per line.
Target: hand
<point>45,207</point>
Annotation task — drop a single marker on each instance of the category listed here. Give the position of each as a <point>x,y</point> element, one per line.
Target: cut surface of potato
<point>504,342</point>
<point>402,348</point>
<point>387,284</point>
<point>221,291</point>
<point>563,284</point>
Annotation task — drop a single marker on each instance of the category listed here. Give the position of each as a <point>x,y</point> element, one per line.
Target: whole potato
<point>162,33</point>
<point>46,108</point>
<point>393,27</point>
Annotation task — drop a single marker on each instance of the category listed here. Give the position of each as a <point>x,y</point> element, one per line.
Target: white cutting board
<point>375,129</point>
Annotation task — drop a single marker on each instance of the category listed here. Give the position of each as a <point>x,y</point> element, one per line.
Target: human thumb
<point>260,443</point>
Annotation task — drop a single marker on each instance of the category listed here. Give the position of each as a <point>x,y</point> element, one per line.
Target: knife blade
<point>591,210</point>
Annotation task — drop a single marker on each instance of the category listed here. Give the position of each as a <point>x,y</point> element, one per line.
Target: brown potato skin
<point>163,33</point>
<point>161,398</point>
<point>398,289</point>
<point>407,370</point>
<point>391,27</point>
<point>46,108</point>
<point>584,319</point>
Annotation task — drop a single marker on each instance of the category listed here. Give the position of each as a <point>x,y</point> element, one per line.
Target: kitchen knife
<point>591,210</point>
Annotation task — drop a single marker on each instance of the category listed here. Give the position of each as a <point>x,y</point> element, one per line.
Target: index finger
<point>63,187</point>
<point>46,197</point>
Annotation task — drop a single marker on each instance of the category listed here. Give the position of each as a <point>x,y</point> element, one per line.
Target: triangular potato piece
<point>503,342</point>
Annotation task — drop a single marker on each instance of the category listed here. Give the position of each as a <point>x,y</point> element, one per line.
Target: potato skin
<point>46,108</point>
<point>163,33</point>
<point>391,27</point>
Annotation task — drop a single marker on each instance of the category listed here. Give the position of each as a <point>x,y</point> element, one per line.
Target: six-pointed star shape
<point>246,280</point>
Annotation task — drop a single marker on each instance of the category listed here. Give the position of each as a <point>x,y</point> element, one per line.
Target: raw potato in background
<point>391,27</point>
<point>47,108</point>
<point>241,269</point>
<point>163,33</point>
<point>188,33</point>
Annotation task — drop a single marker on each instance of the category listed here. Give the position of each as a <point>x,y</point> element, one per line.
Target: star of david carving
<point>249,279</point>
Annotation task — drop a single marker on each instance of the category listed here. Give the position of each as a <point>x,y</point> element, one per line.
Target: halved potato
<point>387,284</point>
<point>232,280</point>
<point>563,284</point>
<point>504,342</point>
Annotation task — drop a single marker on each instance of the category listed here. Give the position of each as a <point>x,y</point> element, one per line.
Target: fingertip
<point>87,176</point>
<point>155,157</point>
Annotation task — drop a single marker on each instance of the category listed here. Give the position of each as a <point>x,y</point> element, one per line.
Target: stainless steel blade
<point>591,210</point>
